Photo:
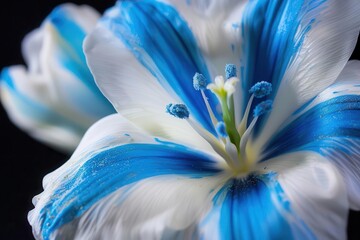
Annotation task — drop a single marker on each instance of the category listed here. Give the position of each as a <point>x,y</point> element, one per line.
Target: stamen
<point>221,129</point>
<point>199,82</point>
<point>211,113</point>
<point>262,108</point>
<point>232,151</point>
<point>245,139</point>
<point>261,89</point>
<point>230,71</point>
<point>178,110</point>
<point>243,123</point>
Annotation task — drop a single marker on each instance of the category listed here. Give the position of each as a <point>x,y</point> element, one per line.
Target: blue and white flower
<point>269,151</point>
<point>55,99</point>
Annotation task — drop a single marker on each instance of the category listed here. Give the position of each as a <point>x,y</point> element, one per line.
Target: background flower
<point>55,99</point>
<point>24,161</point>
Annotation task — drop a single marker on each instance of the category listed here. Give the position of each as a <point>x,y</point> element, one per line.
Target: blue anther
<point>230,71</point>
<point>261,89</point>
<point>262,108</point>
<point>199,82</point>
<point>178,110</point>
<point>221,129</point>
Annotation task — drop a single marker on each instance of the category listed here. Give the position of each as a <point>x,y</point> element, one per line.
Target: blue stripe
<point>256,208</point>
<point>72,56</point>
<point>112,169</point>
<point>162,41</point>
<point>35,110</point>
<point>270,43</point>
<point>320,129</point>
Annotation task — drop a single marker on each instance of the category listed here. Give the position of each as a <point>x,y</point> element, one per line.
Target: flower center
<point>232,137</point>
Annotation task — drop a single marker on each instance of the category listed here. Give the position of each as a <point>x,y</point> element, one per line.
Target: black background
<point>24,161</point>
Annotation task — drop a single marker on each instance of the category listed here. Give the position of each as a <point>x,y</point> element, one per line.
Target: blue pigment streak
<point>320,128</point>
<point>269,42</point>
<point>72,56</point>
<point>114,168</point>
<point>248,210</point>
<point>162,41</point>
<point>36,110</point>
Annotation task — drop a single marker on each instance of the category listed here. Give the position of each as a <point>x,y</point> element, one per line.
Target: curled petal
<point>57,79</point>
<point>107,166</point>
<point>315,190</point>
<point>329,125</point>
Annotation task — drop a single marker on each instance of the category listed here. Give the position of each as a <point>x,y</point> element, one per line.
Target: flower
<point>185,161</point>
<point>56,99</point>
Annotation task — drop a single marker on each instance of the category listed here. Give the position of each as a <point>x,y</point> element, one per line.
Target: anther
<point>261,89</point>
<point>262,108</point>
<point>230,71</point>
<point>178,110</point>
<point>199,82</point>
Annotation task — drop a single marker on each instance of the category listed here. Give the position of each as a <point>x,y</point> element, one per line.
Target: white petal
<point>215,25</point>
<point>316,192</point>
<point>161,207</point>
<point>113,130</point>
<point>133,91</point>
<point>108,135</point>
<point>83,15</point>
<point>351,72</point>
<point>348,161</point>
<point>324,52</point>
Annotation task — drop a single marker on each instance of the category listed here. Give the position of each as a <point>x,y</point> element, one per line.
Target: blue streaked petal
<point>117,167</point>
<point>319,128</point>
<point>300,47</point>
<point>37,118</point>
<point>162,207</point>
<point>55,99</point>
<point>161,40</point>
<point>314,188</point>
<point>329,125</point>
<point>255,208</point>
<point>70,40</point>
<point>269,42</point>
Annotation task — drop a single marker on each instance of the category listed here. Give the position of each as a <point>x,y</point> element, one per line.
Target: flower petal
<point>329,125</point>
<point>169,51</point>
<point>315,191</point>
<point>62,52</point>
<point>253,208</point>
<point>216,26</point>
<point>40,121</point>
<point>165,207</point>
<point>299,47</point>
<point>133,91</point>
<point>56,99</point>
<point>121,155</point>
